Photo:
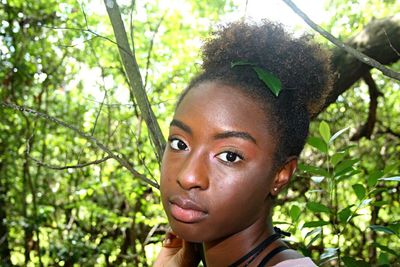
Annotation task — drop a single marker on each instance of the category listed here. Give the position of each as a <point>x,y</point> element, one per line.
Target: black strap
<point>257,250</point>
<point>271,255</point>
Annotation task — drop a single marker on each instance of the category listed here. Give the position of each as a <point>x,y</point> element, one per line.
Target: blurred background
<point>64,202</point>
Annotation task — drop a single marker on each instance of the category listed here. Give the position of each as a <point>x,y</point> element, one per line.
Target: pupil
<point>231,156</point>
<point>181,145</point>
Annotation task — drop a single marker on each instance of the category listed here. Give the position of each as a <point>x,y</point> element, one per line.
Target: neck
<point>227,250</point>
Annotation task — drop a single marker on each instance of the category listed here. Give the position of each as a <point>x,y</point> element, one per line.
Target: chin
<point>189,232</point>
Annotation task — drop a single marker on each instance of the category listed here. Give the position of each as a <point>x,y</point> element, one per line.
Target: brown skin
<point>220,161</point>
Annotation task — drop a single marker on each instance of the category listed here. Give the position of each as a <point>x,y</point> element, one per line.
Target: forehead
<point>225,108</point>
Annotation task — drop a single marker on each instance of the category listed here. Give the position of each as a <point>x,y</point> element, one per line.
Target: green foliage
<point>59,58</point>
<point>337,218</point>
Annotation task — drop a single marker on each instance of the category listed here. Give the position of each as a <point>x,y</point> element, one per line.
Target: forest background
<point>79,168</point>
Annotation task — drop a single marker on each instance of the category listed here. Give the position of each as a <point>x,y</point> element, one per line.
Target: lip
<point>186,210</point>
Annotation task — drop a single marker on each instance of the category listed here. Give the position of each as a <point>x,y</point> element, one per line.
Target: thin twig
<point>390,43</point>
<point>151,49</point>
<point>88,137</point>
<point>78,166</point>
<point>357,54</point>
<point>88,31</point>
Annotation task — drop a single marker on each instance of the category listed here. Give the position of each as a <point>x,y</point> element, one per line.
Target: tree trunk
<point>380,39</point>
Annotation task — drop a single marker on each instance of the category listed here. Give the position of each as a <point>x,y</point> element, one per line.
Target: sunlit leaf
<point>337,134</point>
<point>391,179</point>
<point>317,179</point>
<point>318,143</point>
<point>295,212</point>
<point>325,131</point>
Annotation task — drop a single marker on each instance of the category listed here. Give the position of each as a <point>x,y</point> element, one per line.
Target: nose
<point>194,172</point>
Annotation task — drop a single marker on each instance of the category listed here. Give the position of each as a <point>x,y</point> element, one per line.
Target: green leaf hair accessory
<point>269,79</point>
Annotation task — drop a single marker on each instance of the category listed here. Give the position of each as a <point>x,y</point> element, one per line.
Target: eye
<point>177,144</point>
<point>230,157</point>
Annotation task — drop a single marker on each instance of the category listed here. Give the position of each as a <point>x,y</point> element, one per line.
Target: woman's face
<point>217,169</point>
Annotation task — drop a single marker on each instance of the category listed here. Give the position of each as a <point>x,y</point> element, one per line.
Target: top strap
<point>270,255</point>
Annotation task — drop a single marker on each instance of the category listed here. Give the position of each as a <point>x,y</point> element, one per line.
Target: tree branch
<point>368,127</point>
<point>88,137</point>
<point>360,56</point>
<point>78,166</point>
<point>135,79</point>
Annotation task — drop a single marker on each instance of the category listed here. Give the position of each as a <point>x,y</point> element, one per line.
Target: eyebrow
<point>223,135</point>
<point>236,134</point>
<point>181,125</point>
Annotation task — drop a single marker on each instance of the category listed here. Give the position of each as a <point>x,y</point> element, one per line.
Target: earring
<point>275,189</point>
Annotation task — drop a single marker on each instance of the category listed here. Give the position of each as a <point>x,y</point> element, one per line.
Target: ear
<point>282,177</point>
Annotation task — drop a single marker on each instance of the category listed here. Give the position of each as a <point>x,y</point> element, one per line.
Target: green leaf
<point>318,143</point>
<point>345,166</point>
<point>373,177</point>
<point>315,224</point>
<point>337,134</point>
<point>337,157</point>
<point>317,207</point>
<point>391,179</point>
<point>352,262</point>
<point>325,131</point>
<point>313,170</point>
<point>270,80</point>
<point>295,212</point>
<point>385,248</point>
<point>318,230</point>
<point>380,203</point>
<point>345,214</point>
<point>360,191</point>
<point>380,228</point>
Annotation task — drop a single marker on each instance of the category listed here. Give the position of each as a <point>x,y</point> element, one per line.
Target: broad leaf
<point>318,143</point>
<point>345,214</point>
<point>337,157</point>
<point>360,191</point>
<point>325,131</point>
<point>315,224</point>
<point>317,207</point>
<point>295,212</point>
<point>270,80</point>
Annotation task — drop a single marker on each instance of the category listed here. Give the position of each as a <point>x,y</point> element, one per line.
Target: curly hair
<point>302,66</point>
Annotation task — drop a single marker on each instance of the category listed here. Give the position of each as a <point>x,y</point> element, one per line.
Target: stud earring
<point>275,189</point>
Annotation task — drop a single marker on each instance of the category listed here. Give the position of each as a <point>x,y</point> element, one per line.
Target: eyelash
<point>172,139</point>
<point>234,152</point>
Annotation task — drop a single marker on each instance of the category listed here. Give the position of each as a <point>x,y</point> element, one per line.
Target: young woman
<point>233,145</point>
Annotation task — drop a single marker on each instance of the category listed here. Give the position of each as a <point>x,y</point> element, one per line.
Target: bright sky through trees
<point>279,11</point>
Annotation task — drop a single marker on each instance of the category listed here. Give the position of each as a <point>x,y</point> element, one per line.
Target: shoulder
<point>300,262</point>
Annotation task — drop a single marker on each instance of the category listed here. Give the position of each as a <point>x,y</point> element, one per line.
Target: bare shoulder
<point>286,255</point>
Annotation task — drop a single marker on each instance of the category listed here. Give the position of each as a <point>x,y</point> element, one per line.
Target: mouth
<point>185,210</point>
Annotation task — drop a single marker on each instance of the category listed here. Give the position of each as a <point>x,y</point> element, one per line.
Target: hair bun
<point>302,66</point>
